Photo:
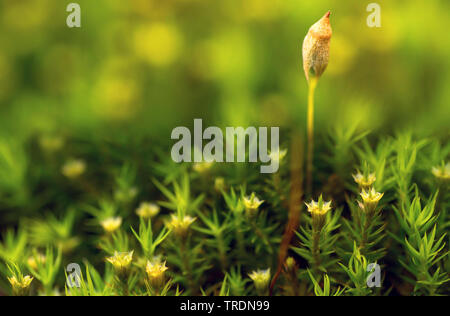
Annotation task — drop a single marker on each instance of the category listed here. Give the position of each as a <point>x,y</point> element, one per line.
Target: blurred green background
<point>146,66</point>
<point>136,69</point>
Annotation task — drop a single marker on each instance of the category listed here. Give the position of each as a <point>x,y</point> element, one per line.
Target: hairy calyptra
<point>316,47</point>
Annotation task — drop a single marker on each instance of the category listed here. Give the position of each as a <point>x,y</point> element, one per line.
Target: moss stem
<point>187,269</point>
<point>310,132</point>
<point>295,201</point>
<point>316,249</point>
<point>222,251</point>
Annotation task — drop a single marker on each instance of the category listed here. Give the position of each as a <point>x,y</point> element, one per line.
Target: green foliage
<point>14,244</point>
<point>406,150</point>
<point>376,160</point>
<point>341,140</point>
<point>324,260</point>
<point>220,238</point>
<point>236,282</point>
<point>125,190</point>
<point>90,284</point>
<point>367,230</point>
<point>47,270</point>
<point>180,199</point>
<point>423,247</point>
<point>118,241</point>
<point>145,238</point>
<point>207,240</point>
<point>14,163</point>
<point>52,231</point>
<point>326,290</point>
<point>85,138</point>
<point>358,274</point>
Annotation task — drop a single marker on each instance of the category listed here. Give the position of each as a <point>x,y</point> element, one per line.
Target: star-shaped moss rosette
<point>364,181</point>
<point>111,224</point>
<point>370,198</point>
<point>156,274</point>
<point>318,212</point>
<point>121,261</point>
<point>442,172</point>
<point>251,204</point>
<point>180,224</point>
<point>261,280</point>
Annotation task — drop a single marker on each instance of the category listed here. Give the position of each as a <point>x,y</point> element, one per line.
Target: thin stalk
<point>440,200</point>
<point>240,240</point>
<point>121,283</point>
<point>222,251</point>
<point>365,231</point>
<point>293,283</point>
<point>261,235</point>
<point>318,223</point>
<point>295,199</point>
<point>364,237</point>
<point>123,286</point>
<point>316,249</point>
<point>310,132</point>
